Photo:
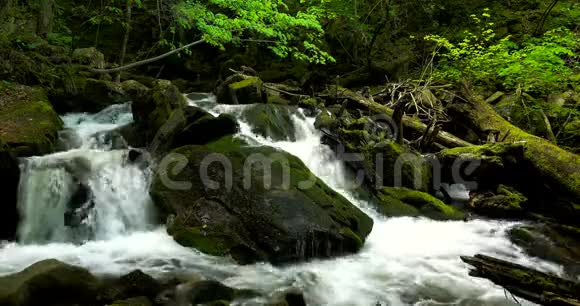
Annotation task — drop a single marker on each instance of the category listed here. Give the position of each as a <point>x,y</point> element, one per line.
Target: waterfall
<point>404,261</point>
<point>112,191</point>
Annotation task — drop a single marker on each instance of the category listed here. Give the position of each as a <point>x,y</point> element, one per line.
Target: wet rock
<point>207,292</point>
<point>271,121</point>
<point>157,108</point>
<point>88,95</point>
<point>134,284</point>
<point>28,124</point>
<point>112,139</point>
<point>555,243</point>
<point>292,216</point>
<point>9,180</point>
<point>202,127</point>
<point>291,297</point>
<point>395,202</point>
<point>49,282</point>
<point>505,202</point>
<point>134,90</point>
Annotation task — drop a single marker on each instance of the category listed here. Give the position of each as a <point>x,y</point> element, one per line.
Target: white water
<point>404,261</point>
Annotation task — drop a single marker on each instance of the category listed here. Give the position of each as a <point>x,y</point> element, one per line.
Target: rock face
<point>9,178</point>
<point>395,202</point>
<point>292,216</point>
<point>49,282</point>
<point>271,121</point>
<point>156,107</point>
<point>28,124</point>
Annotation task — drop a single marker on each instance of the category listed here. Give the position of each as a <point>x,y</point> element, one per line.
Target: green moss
<point>210,243</point>
<point>348,233</point>
<point>253,81</point>
<point>399,201</point>
<point>28,123</point>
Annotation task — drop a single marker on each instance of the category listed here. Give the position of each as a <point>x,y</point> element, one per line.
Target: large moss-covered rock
<point>9,178</point>
<point>399,201</point>
<point>284,214</point>
<point>28,124</point>
<point>49,282</point>
<point>271,121</point>
<point>156,107</point>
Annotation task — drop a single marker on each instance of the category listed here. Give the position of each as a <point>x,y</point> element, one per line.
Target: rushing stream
<point>404,261</point>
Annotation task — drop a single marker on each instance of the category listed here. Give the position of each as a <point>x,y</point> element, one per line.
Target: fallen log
<point>444,138</point>
<point>527,283</point>
<point>557,168</point>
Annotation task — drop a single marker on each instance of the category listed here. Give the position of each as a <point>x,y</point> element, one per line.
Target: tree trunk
<point>147,61</point>
<point>556,167</point>
<point>45,17</point>
<point>532,285</point>
<point>126,37</point>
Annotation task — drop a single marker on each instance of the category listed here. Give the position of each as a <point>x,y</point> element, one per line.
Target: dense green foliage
<point>536,65</point>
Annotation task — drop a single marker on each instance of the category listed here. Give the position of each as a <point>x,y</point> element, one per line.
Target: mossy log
<point>532,285</point>
<point>556,166</point>
<point>443,138</point>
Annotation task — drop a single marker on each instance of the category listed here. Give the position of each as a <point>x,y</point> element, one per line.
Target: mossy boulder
<point>28,123</point>
<point>89,56</point>
<point>399,201</point>
<point>239,90</point>
<point>255,204</point>
<point>49,282</point>
<point>9,180</point>
<point>505,202</point>
<point>271,121</point>
<point>156,107</point>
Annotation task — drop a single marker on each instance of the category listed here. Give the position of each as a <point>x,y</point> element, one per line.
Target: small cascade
<point>86,193</point>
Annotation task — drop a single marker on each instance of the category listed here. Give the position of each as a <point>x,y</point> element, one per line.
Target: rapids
<point>405,261</point>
